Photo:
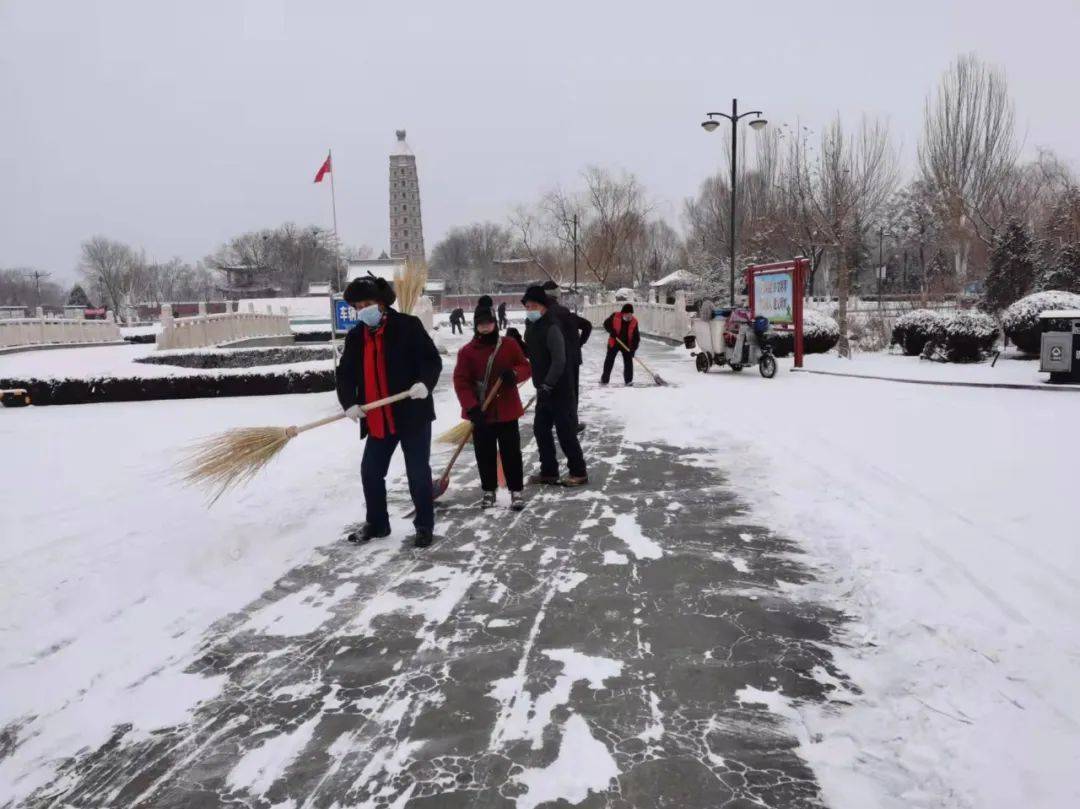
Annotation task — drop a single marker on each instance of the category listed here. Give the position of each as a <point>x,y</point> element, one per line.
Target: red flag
<point>323,170</point>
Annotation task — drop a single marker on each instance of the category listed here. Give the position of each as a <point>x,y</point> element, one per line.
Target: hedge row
<point>1021,320</point>
<point>952,336</point>
<point>238,357</point>
<point>134,389</point>
<point>820,334</point>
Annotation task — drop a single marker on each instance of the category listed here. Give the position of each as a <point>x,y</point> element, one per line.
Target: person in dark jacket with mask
<point>622,327</point>
<point>555,402</point>
<point>576,330</point>
<point>386,353</point>
<point>481,363</point>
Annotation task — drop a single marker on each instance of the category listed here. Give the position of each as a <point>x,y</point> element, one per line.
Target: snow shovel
<point>657,379</point>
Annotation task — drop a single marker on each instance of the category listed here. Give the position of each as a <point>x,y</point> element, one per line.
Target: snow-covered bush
<point>961,337</point>
<point>1021,320</point>
<point>869,331</point>
<point>912,329</point>
<point>820,334</point>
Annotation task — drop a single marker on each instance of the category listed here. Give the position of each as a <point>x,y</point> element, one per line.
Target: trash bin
<point>1059,351</point>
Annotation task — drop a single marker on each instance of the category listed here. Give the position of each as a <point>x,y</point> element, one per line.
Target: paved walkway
<point>601,647</point>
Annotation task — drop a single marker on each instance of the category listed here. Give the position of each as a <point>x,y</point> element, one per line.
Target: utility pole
<point>37,275</point>
<point>575,264</point>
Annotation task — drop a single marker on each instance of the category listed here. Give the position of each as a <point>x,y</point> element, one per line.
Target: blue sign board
<point>345,316</point>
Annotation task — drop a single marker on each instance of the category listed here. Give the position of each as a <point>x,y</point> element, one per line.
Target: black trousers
<point>455,327</point>
<point>416,446</point>
<point>503,321</point>
<point>558,414</point>
<point>627,365</point>
<point>491,440</point>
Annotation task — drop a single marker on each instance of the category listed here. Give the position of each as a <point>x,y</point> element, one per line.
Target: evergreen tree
<point>1012,268</point>
<point>1064,273</point>
<point>78,297</point>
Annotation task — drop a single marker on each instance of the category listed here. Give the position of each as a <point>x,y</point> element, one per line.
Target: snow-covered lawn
<point>944,522</point>
<point>1010,369</point>
<point>119,362</point>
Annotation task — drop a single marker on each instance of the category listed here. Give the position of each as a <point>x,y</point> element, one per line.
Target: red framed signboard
<point>776,292</point>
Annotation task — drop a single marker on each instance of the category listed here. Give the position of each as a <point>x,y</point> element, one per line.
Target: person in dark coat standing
<point>503,321</point>
<point>555,402</point>
<point>576,330</point>
<point>483,361</point>
<point>624,326</point>
<point>457,318</point>
<point>387,353</point>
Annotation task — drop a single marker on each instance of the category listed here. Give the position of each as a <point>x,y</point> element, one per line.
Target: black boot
<point>366,533</point>
<point>422,538</point>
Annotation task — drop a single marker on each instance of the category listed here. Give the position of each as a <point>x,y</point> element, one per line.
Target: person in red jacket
<point>624,326</point>
<point>485,359</point>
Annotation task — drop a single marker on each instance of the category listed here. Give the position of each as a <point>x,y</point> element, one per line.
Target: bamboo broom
<point>234,457</point>
<point>409,285</point>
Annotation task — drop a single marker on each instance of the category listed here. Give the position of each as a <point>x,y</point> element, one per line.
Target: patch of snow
<point>260,767</point>
<point>627,529</point>
<point>583,765</point>
<point>615,558</point>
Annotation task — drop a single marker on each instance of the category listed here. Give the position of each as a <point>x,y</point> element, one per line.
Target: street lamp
<point>710,125</point>
<point>882,233</point>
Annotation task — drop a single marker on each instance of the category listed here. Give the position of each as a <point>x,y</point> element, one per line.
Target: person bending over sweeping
<point>555,403</point>
<point>621,326</point>
<point>489,357</point>
<point>457,317</point>
<point>389,352</point>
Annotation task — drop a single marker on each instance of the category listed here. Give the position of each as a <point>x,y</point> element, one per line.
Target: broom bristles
<point>410,285</point>
<point>455,433</point>
<point>221,462</point>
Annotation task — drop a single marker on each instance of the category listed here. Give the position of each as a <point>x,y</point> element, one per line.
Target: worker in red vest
<point>624,326</point>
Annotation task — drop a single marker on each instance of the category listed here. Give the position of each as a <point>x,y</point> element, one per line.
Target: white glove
<point>355,413</point>
<point>418,391</point>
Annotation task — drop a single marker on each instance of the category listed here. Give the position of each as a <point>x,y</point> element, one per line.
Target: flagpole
<point>333,208</point>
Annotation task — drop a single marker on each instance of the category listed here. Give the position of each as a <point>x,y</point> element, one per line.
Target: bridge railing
<point>44,331</point>
<point>205,331</point>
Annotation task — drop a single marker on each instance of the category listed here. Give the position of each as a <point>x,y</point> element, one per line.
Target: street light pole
<point>709,125</point>
<point>880,261</point>
<point>575,264</point>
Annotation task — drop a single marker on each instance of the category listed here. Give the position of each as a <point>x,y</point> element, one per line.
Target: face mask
<point>532,315</point>
<point>370,316</point>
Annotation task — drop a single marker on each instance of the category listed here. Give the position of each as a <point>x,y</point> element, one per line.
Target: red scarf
<point>380,421</point>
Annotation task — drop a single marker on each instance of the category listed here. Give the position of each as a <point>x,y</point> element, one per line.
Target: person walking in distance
<point>488,358</point>
<point>503,321</point>
<point>386,353</point>
<point>554,383</point>
<point>621,326</point>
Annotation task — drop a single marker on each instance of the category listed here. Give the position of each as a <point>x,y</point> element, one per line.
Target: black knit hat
<point>370,288</point>
<point>536,295</point>
<point>628,309</point>
<point>484,315</point>
<point>485,302</point>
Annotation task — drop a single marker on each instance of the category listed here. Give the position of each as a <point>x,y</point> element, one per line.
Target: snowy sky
<point>173,125</point>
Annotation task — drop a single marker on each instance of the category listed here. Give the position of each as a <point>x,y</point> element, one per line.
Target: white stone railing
<point>44,331</point>
<point>204,331</point>
<point>670,321</point>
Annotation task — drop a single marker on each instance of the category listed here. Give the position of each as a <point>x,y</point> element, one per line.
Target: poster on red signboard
<point>774,296</point>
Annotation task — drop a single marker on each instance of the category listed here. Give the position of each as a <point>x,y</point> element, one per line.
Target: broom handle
<point>632,354</point>
<point>397,397</point>
<point>461,444</point>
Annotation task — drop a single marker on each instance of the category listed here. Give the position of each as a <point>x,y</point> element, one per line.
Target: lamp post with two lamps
<point>710,125</point>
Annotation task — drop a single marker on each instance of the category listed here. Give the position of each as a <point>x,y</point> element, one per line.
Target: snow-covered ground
<point>941,520</point>
<point>944,522</point>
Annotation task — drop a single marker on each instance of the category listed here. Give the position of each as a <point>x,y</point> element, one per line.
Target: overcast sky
<point>174,125</point>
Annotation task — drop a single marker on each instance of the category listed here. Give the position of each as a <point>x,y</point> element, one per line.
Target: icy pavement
<point>634,643</point>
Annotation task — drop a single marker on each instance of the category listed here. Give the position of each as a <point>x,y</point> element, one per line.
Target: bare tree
<point>112,268</point>
<point>968,151</point>
<point>845,184</point>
